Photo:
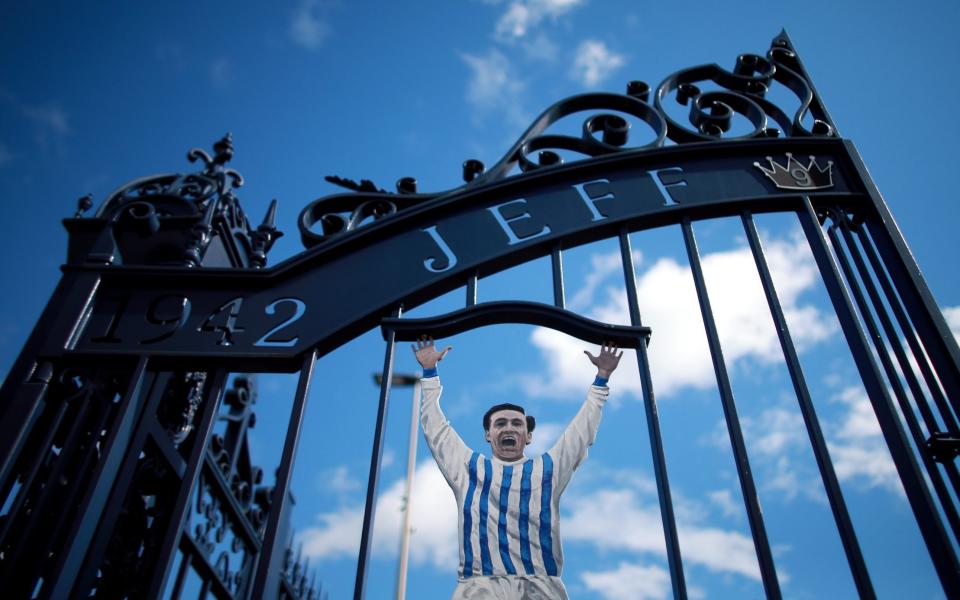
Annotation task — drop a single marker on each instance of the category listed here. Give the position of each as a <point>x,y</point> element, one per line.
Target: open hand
<point>607,361</point>
<point>426,352</point>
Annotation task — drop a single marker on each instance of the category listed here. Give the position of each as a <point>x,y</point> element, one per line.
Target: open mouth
<point>509,442</point>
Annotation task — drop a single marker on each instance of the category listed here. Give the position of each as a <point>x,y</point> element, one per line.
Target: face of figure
<point>508,435</point>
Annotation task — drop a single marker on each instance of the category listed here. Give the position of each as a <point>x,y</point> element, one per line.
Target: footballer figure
<point>508,503</point>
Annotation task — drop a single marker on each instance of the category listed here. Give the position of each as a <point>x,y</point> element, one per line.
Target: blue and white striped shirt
<point>509,512</point>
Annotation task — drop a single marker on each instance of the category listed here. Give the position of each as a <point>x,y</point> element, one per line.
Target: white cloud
<point>678,351</point>
<point>772,436</point>
<point>434,521</point>
<point>494,87</point>
<point>389,457</point>
<point>616,519</point>
<point>952,314</point>
<point>594,62</point>
<point>602,266</point>
<point>336,534</point>
<point>777,437</point>
<point>607,519</point>
<point>865,465</point>
<point>541,48</point>
<point>724,501</point>
<point>629,582</point>
<point>785,477</point>
<point>775,431</point>
<point>545,436</point>
<point>492,81</point>
<point>307,29</point>
<point>515,22</point>
<point>339,480</point>
<point>860,423</point>
<point>522,16</point>
<point>857,447</point>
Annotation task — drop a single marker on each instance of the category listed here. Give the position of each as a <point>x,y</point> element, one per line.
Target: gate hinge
<point>943,447</point>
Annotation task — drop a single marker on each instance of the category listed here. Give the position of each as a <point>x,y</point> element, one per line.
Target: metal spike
<point>270,219</point>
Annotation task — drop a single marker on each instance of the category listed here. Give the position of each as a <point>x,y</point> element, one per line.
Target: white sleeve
<point>571,449</point>
<point>448,449</point>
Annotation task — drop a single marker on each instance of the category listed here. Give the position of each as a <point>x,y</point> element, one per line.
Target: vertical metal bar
<point>907,411</point>
<point>930,420</point>
<point>97,494</point>
<point>630,278</point>
<point>556,261</point>
<point>831,484</point>
<point>121,484</point>
<point>21,395</point>
<point>931,528</point>
<point>27,477</point>
<point>906,368</point>
<point>472,289</point>
<point>932,328</point>
<point>933,384</point>
<point>31,394</point>
<point>750,497</point>
<point>281,490</point>
<point>181,576</point>
<point>668,520</point>
<point>191,476</point>
<point>40,507</point>
<point>376,455</point>
<point>101,462</point>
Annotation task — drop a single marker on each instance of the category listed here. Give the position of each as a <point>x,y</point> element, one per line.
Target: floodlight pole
<point>406,529</point>
<point>408,494</point>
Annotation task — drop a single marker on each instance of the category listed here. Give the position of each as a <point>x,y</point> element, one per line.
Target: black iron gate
<point>114,484</point>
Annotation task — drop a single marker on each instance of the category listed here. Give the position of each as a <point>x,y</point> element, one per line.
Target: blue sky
<point>92,96</point>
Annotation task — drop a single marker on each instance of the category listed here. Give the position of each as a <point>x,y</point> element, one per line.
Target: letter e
<point>505,222</point>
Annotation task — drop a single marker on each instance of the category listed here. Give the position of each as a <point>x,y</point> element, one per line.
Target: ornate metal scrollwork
<point>606,129</point>
<point>138,533</point>
<point>180,404</point>
<point>182,213</point>
<point>214,529</point>
<point>193,190</point>
<point>231,453</point>
<point>744,93</point>
<point>44,495</point>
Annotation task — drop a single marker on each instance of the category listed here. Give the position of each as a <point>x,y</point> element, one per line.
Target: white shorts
<point>510,587</point>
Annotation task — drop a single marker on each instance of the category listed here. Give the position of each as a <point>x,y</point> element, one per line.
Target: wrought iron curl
<point>614,129</point>
<point>342,213</point>
<point>194,206</point>
<point>743,93</point>
<point>790,74</point>
<point>712,112</point>
<point>358,207</point>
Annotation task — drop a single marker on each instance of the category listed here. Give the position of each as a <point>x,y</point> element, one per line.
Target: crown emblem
<point>795,176</point>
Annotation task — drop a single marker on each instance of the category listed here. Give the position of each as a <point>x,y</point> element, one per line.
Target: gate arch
<point>146,309</point>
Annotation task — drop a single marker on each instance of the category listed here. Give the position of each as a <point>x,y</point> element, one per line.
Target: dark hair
<point>531,422</point>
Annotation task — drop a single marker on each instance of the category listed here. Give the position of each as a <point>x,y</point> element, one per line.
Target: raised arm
<point>448,449</point>
<point>571,449</point>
